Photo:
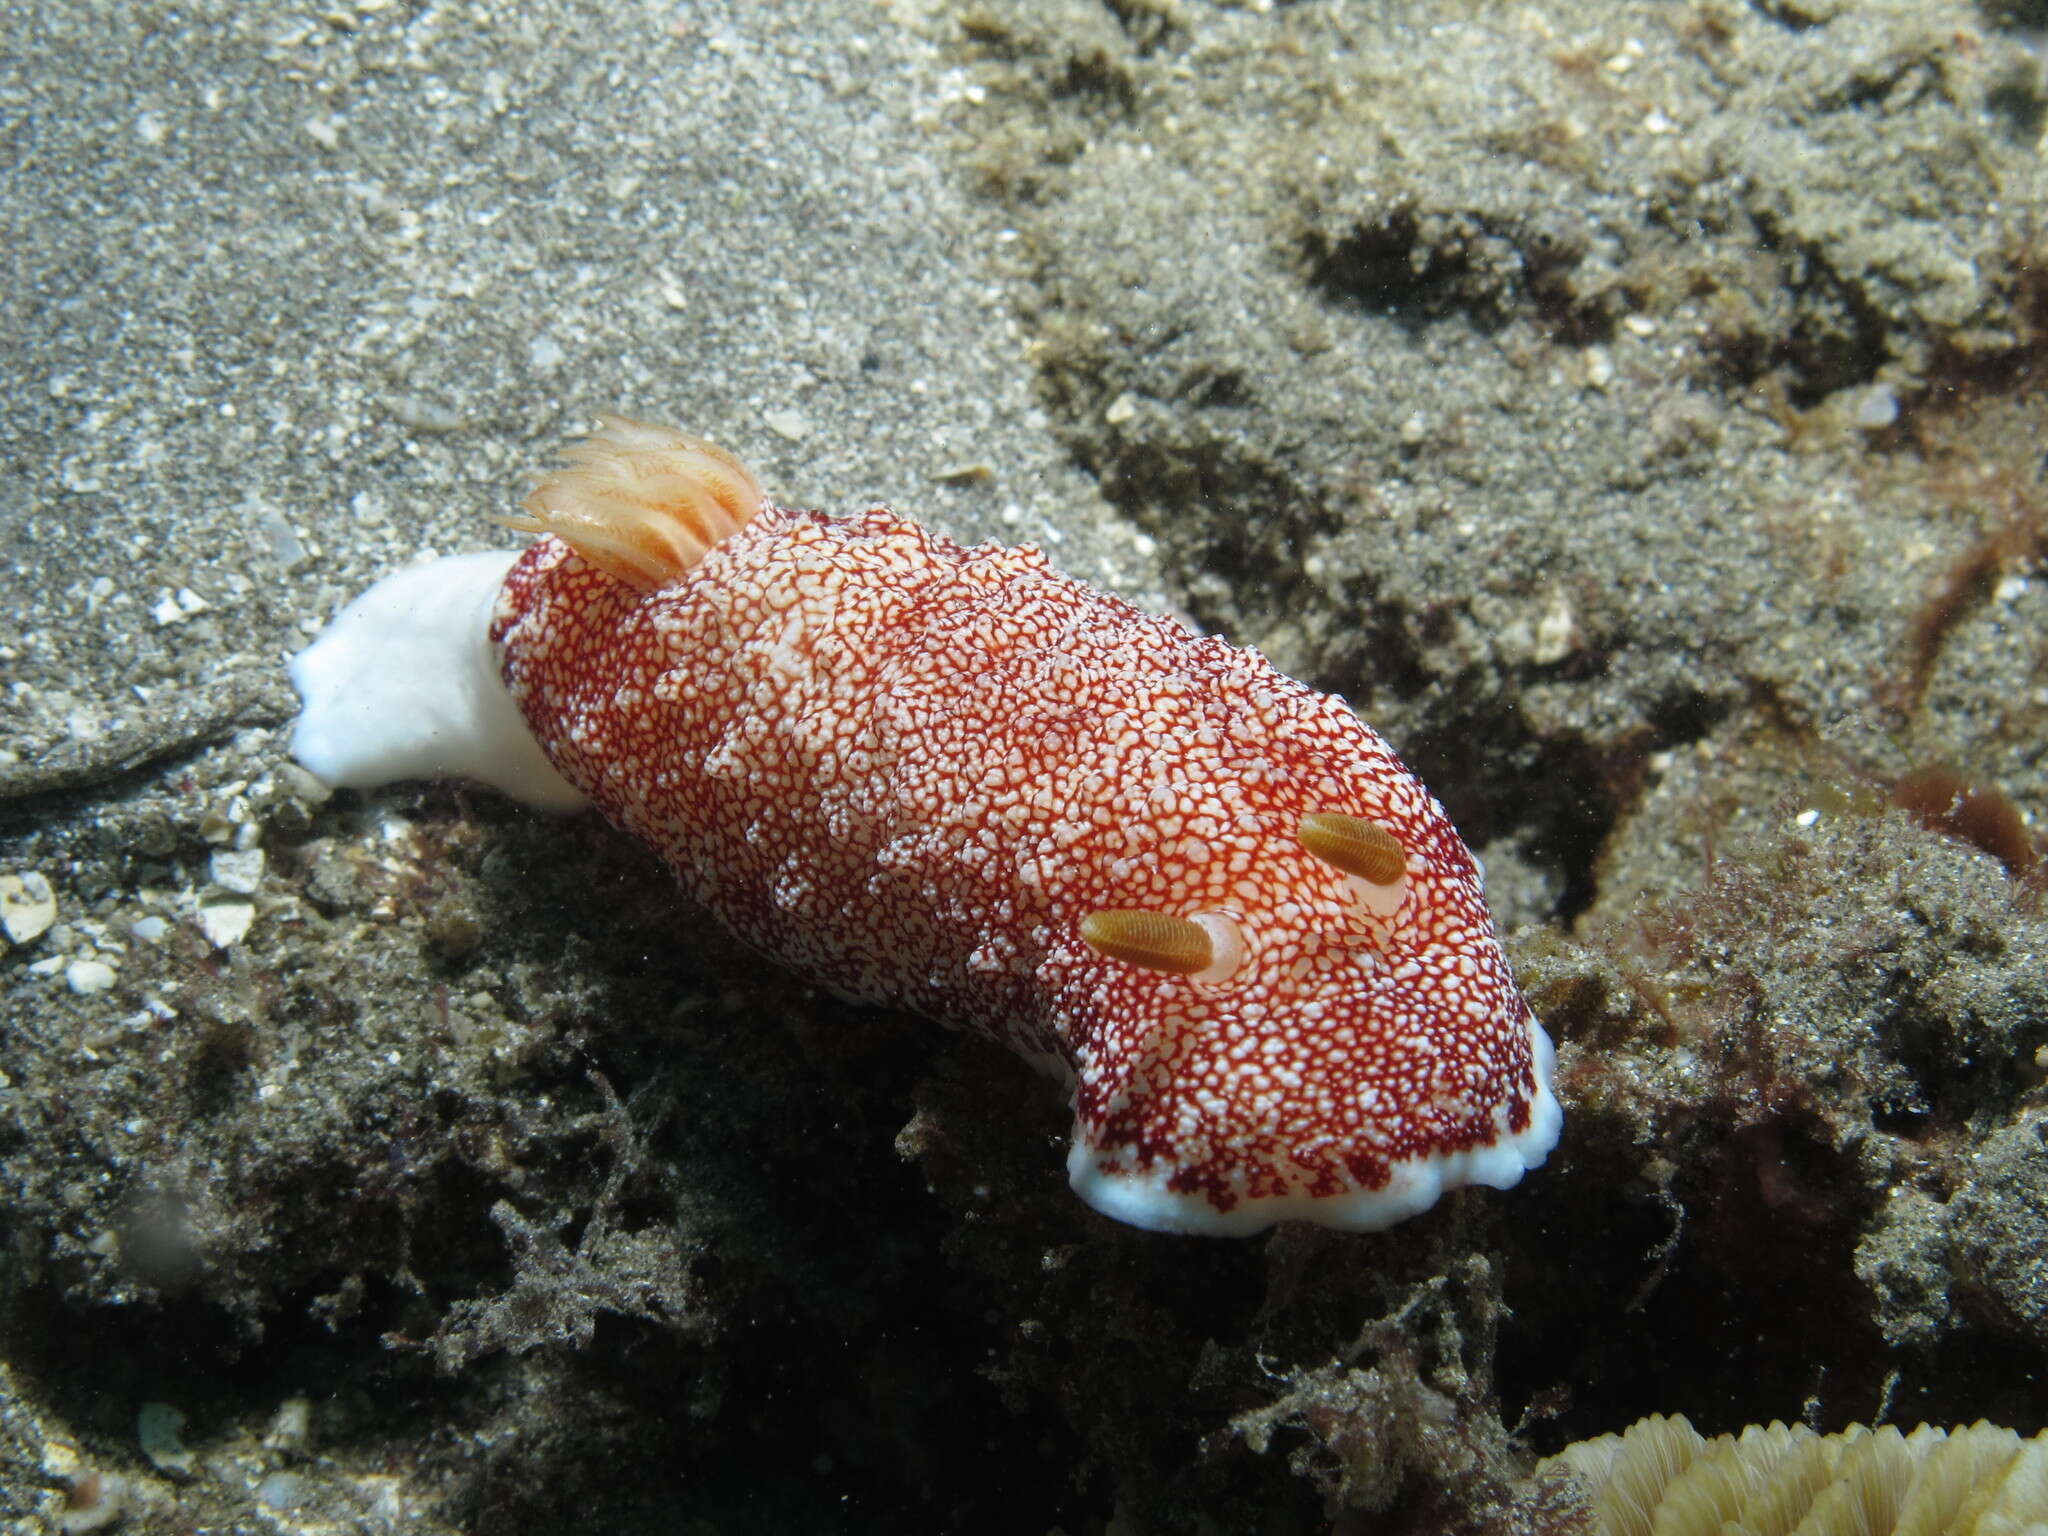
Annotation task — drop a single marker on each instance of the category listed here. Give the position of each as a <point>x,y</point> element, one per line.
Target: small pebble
<point>291,1427</point>
<point>281,1490</point>
<point>27,906</point>
<point>787,424</point>
<point>1878,408</point>
<point>86,977</point>
<point>157,1426</point>
<point>1557,632</point>
<point>226,922</point>
<point>544,354</point>
<point>223,823</point>
<point>423,415</point>
<point>286,548</point>
<point>303,786</point>
<point>240,871</point>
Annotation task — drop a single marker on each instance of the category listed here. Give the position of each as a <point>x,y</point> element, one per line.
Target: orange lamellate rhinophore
<point>953,779</point>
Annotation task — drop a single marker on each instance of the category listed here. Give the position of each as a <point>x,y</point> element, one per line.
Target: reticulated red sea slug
<point>1208,897</point>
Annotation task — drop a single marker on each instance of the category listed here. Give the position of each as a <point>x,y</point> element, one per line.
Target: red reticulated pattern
<point>908,769</point>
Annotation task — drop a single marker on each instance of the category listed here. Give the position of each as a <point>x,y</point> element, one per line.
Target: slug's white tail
<point>404,684</point>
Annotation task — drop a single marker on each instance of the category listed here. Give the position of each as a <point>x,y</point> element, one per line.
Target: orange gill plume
<point>642,503</point>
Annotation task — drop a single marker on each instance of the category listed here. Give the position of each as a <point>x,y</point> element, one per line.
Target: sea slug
<point>1209,898</point>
